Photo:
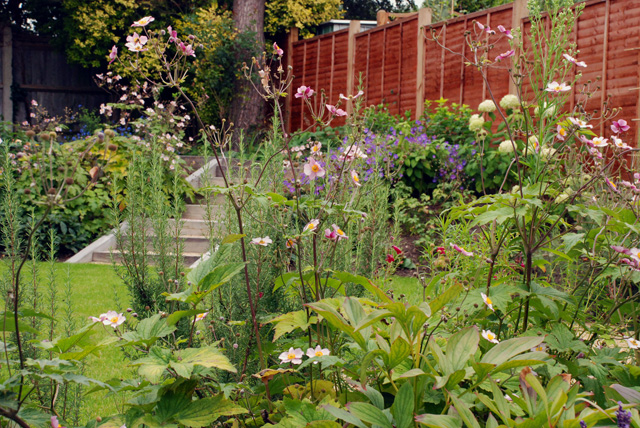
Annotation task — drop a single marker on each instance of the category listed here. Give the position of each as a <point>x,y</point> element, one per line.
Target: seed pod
<point>68,181</point>
<point>109,133</point>
<point>27,191</point>
<point>45,137</point>
<point>30,134</point>
<point>51,191</point>
<point>112,147</point>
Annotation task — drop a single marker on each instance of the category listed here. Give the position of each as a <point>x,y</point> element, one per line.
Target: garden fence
<point>401,68</point>
<point>31,69</point>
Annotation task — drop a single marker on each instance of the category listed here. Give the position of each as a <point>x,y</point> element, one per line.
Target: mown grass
<point>92,290</point>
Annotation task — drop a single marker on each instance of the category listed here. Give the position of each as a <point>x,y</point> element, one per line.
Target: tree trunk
<point>247,109</point>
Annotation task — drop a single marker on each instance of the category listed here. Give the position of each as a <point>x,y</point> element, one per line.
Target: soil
<point>411,251</point>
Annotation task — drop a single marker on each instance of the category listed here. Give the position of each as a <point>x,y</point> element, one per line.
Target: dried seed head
<point>68,181</point>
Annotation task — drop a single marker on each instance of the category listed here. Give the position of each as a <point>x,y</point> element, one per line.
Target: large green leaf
<point>149,330</point>
<point>7,323</point>
<point>178,315</point>
<point>465,413</point>
<point>288,322</point>
<point>438,421</point>
<point>461,346</point>
<point>400,349</point>
<point>344,415</point>
<point>402,408</point>
<point>209,356</point>
<point>450,294</point>
<point>203,412</point>
<point>508,349</point>
<point>220,275</point>
<point>334,318</point>
<point>368,413</point>
<point>365,283</point>
<point>223,252</point>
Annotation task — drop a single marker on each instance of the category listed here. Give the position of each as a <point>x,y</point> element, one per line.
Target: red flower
<point>440,250</point>
<point>260,294</point>
<point>396,249</point>
<point>390,258</point>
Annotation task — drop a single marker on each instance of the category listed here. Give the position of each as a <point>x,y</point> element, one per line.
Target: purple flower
<point>623,416</point>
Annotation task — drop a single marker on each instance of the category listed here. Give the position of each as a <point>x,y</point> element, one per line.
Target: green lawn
<point>93,291</point>
<point>408,286</point>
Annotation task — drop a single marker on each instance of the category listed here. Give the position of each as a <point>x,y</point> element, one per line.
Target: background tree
<point>248,107</point>
<point>304,14</point>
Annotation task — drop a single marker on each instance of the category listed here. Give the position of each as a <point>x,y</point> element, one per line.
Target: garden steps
<point>113,255</point>
<point>196,226</point>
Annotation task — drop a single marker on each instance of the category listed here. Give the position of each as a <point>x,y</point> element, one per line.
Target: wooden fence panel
<point>607,35</point>
<point>320,63</point>
<point>43,74</point>
<point>406,66</point>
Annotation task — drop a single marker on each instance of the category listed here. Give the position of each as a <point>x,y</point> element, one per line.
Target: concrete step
<point>194,226</point>
<point>106,257</point>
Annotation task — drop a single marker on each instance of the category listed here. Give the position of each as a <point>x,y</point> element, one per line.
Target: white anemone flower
<point>293,356</point>
<point>490,336</point>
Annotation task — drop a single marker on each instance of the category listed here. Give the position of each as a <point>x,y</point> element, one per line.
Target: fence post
<point>519,12</point>
<point>354,28</point>
<point>424,19</point>
<point>382,17</point>
<point>288,59</point>
<point>7,73</point>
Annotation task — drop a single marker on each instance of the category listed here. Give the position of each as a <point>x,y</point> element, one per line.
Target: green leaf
<point>368,413</point>
<point>438,421</point>
<point>288,322</point>
<point>507,349</point>
<point>230,239</point>
<point>209,356</point>
<point>465,414</point>
<point>365,283</point>
<point>571,240</point>
<point>450,294</point>
<point>323,424</point>
<point>400,349</point>
<point>372,318</point>
<point>631,395</point>
<point>461,346</point>
<point>178,315</point>
<point>221,254</point>
<point>336,320</point>
<point>344,415</point>
<point>203,412</point>
<point>7,323</point>
<point>325,361</point>
<point>402,408</point>
<point>149,330</point>
<point>562,339</point>
<point>220,275</point>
